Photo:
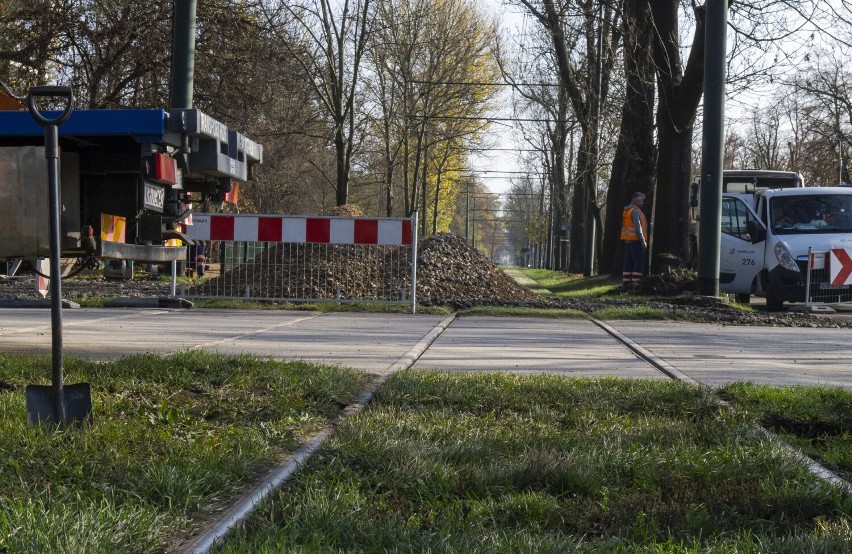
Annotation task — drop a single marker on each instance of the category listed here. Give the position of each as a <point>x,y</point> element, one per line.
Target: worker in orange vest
<point>634,233</point>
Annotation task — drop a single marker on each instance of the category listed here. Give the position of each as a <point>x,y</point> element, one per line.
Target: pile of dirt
<point>316,271</point>
<point>449,271</point>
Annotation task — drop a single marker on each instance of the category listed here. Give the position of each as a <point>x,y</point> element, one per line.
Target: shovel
<point>57,404</point>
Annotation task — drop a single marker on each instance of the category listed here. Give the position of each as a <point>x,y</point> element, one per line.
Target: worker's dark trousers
<point>634,261</point>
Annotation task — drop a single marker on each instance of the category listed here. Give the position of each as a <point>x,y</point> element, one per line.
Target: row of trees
<point>355,101</point>
<point>630,79</point>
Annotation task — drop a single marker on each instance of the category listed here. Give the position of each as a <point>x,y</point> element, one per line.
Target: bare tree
<point>585,37</point>
<point>434,60</point>
<point>330,52</point>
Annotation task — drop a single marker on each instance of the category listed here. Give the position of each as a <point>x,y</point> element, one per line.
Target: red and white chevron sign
<point>840,266</point>
<point>299,229</point>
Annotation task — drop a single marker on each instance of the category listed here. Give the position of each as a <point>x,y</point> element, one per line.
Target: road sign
<point>840,266</point>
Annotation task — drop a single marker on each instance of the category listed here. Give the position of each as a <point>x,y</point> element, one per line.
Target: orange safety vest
<point>628,230</point>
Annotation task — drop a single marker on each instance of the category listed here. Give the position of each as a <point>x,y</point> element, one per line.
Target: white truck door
<point>741,247</point>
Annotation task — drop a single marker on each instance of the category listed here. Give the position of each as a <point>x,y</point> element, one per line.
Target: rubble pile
<point>449,271</point>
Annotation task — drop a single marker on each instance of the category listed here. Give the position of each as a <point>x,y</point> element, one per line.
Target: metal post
<point>808,278</point>
<point>414,263</point>
<point>183,53</point>
<point>174,279</point>
<point>710,224</point>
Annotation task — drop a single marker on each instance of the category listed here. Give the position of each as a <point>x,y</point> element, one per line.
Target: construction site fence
<point>303,271</point>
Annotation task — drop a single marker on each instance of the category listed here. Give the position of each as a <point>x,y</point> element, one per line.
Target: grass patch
<point>500,463</point>
<point>644,312</point>
<point>632,312</point>
<point>563,284</point>
<point>817,420</point>
<point>172,439</point>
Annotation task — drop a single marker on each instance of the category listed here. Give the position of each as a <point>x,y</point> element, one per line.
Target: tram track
<point>246,504</point>
<point>672,372</point>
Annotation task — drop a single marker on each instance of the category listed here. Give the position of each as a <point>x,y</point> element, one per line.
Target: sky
<point>496,167</point>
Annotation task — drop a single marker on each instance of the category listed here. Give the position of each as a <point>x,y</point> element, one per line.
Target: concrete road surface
<point>712,354</point>
<point>570,347</point>
<point>716,355</point>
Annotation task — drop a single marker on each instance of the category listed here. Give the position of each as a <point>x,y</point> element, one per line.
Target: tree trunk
<point>679,91</point>
<point>389,189</point>
<point>633,165</point>
<point>582,194</point>
<point>674,171</point>
<point>342,195</point>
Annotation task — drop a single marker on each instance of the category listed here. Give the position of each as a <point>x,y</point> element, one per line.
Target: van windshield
<point>825,213</point>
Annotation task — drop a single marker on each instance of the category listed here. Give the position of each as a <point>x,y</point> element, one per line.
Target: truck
<point>129,178</point>
<point>770,223</point>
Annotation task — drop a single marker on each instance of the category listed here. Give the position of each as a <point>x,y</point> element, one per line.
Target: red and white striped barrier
<point>299,229</point>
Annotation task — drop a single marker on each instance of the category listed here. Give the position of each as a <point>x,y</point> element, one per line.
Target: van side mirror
<point>693,194</point>
<point>756,231</point>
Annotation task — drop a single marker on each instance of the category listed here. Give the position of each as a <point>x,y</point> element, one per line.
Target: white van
<point>766,235</point>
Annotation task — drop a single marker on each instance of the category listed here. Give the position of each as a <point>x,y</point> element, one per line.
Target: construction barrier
<point>300,258</point>
<point>828,276</point>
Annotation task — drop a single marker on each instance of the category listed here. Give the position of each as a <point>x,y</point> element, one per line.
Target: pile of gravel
<point>451,272</point>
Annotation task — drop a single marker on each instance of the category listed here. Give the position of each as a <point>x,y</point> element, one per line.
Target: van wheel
<point>742,298</point>
<point>773,304</point>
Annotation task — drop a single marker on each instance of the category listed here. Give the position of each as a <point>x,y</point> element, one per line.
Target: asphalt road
<point>712,354</point>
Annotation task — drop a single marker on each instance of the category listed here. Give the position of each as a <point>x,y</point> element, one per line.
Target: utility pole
<point>710,224</point>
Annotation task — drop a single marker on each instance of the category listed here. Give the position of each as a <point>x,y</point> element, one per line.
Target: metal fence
<point>818,280</point>
<point>302,258</point>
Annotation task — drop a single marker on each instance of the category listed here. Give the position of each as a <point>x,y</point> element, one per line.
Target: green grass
<point>172,439</point>
<point>501,463</point>
<point>562,284</point>
<point>817,420</point>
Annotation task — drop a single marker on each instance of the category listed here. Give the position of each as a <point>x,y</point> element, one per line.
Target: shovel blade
<point>77,402</point>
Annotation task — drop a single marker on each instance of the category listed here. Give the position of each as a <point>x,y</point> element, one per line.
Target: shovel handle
<point>50,92</point>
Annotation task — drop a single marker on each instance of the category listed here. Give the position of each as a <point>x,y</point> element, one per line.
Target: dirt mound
<point>316,271</point>
<point>451,272</point>
<point>448,272</point>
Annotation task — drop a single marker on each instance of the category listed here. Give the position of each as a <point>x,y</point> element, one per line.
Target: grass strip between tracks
<point>500,463</point>
<point>816,420</point>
